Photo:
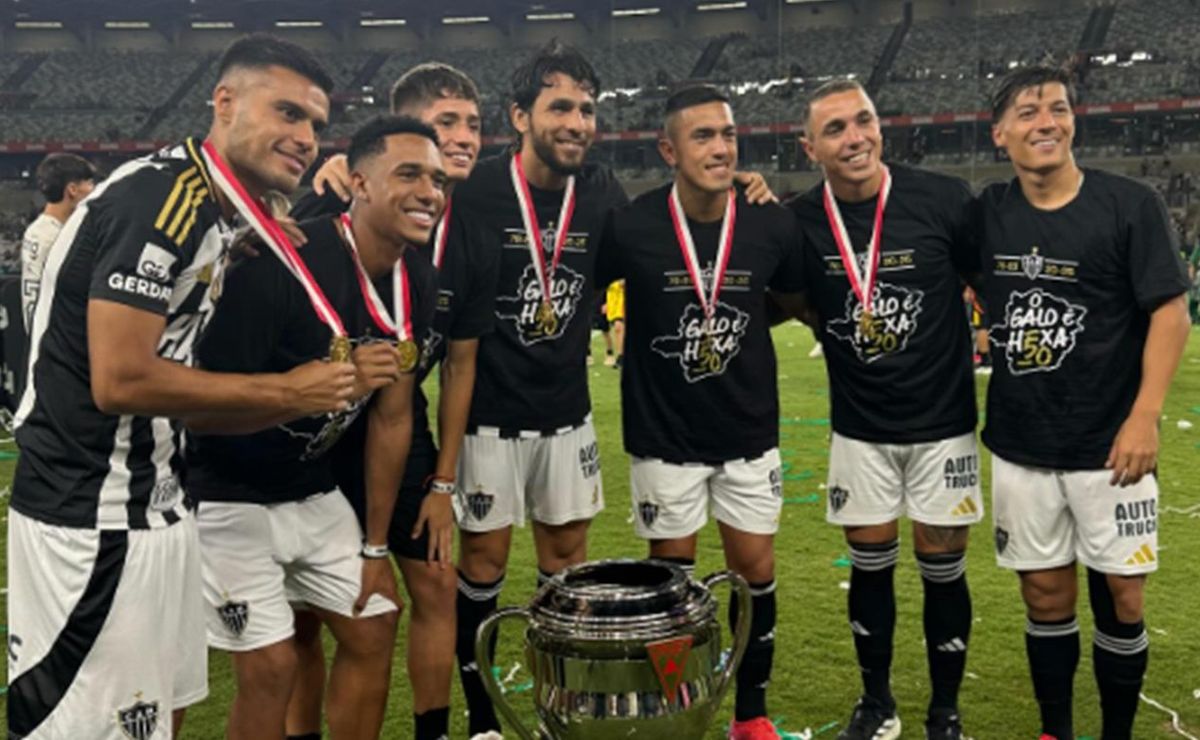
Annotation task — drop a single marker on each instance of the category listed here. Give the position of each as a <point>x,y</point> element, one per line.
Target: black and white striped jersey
<point>150,237</point>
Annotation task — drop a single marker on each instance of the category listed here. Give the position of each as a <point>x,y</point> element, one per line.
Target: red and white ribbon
<point>683,234</point>
<point>862,284</point>
<point>440,235</point>
<point>534,233</point>
<point>268,229</point>
<point>401,326</point>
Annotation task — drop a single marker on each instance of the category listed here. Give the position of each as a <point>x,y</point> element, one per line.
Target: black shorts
<point>408,509</point>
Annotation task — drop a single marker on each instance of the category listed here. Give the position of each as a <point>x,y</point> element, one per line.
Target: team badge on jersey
<point>1001,540</point>
<point>648,513</point>
<point>838,497</point>
<point>1039,331</point>
<point>235,615</point>
<point>535,323</point>
<point>893,321</point>
<point>480,504</point>
<point>703,347</point>
<point>139,721</point>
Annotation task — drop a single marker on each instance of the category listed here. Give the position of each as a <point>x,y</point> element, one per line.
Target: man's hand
<point>377,578</point>
<point>319,387</point>
<point>1135,451</point>
<point>438,514</point>
<point>333,175</point>
<point>758,192</point>
<point>377,365</point>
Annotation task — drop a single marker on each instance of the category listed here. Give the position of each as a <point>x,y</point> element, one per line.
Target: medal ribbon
<point>272,235</point>
<point>862,285</point>
<point>684,236</point>
<point>534,233</point>
<point>401,297</point>
<point>440,235</point>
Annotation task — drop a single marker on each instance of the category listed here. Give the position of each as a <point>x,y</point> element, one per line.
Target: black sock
<point>543,577</point>
<point>1053,650</point>
<point>1120,652</point>
<point>873,614</point>
<point>433,724</point>
<point>947,625</point>
<point>475,602</point>
<point>754,673</point>
<point>306,736</point>
<point>688,565</point>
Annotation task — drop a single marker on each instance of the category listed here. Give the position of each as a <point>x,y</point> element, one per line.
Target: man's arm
<point>129,377</point>
<point>1135,451</point>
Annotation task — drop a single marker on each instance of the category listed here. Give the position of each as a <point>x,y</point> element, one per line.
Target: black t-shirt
<point>527,379</point>
<point>1069,293</point>
<point>681,401</point>
<point>912,382</point>
<point>466,296</point>
<point>266,323</point>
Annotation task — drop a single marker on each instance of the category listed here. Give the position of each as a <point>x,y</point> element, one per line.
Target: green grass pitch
<point>816,678</point>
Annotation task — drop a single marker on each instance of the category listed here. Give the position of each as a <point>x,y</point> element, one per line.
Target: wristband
<point>441,485</point>
<point>374,552</point>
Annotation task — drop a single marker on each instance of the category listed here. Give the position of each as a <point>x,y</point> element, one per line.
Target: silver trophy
<point>620,649</point>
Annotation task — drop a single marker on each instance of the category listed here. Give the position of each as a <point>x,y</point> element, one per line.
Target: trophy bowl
<point>619,649</point>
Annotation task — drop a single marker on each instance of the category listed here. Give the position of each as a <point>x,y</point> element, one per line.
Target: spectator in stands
<point>65,180</point>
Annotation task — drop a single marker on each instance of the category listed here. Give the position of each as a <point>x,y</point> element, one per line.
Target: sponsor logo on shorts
<point>139,721</point>
<point>1001,540</point>
<point>961,472</point>
<point>480,504</point>
<point>589,460</point>
<point>14,642</point>
<point>648,512</point>
<point>838,497</point>
<point>1144,555</point>
<point>1039,331</point>
<point>703,346</point>
<point>966,507</point>
<point>894,312</point>
<point>1136,518</point>
<point>235,615</point>
<point>776,478</point>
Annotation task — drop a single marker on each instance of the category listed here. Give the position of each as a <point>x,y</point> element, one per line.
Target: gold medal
<point>406,351</point>
<point>339,348</point>
<point>866,324</point>
<point>547,318</point>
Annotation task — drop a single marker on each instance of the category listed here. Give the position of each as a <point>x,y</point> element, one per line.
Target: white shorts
<point>1050,518</point>
<point>555,478</point>
<point>671,501</point>
<point>260,559</point>
<point>105,630</point>
<point>935,483</point>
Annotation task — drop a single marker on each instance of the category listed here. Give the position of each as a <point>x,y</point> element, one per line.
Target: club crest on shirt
<point>1036,266</point>
<point>1039,331</point>
<point>523,308</point>
<point>235,615</point>
<point>704,347</point>
<point>894,312</point>
<point>139,721</point>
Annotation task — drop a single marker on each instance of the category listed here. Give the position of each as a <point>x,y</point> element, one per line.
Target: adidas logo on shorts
<point>966,507</point>
<point>1142,556</point>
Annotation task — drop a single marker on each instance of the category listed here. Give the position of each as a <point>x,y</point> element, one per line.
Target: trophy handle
<point>741,630</point>
<point>483,658</point>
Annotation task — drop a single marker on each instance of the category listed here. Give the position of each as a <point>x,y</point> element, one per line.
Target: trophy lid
<point>635,599</point>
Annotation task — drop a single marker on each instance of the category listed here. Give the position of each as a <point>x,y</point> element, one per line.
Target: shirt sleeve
<point>965,226</point>
<point>608,254</point>
<point>789,275</point>
<point>482,267</point>
<point>34,246</point>
<point>1155,268</point>
<point>244,330</point>
<point>140,230</point>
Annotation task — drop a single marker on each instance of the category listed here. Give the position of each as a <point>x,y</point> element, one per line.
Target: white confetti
<point>844,585</point>
<point>1159,630</point>
<point>1196,694</point>
<point>974,676</point>
<point>1175,725</point>
<point>1184,424</point>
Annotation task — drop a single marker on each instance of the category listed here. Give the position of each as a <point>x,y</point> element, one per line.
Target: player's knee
<point>434,593</point>
<point>1116,598</point>
<point>372,637</point>
<point>932,539</point>
<point>1049,595</point>
<point>483,557</point>
<point>270,670</point>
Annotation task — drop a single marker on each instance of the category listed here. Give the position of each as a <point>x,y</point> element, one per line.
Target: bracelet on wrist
<point>374,552</point>
<point>441,485</point>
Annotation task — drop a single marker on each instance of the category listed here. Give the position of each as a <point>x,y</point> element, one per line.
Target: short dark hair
<point>530,78</point>
<point>1021,79</point>
<point>833,87</point>
<point>425,83</point>
<point>693,95</point>
<point>369,139</point>
<point>262,50</point>
<point>57,171</point>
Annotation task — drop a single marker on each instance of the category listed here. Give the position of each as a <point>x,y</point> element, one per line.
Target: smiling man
<point>1085,290</point>
<point>275,529</point>
<point>104,607</point>
<point>886,251</point>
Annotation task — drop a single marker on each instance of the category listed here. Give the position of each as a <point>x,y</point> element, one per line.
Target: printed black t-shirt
<point>912,381</point>
<point>685,399</point>
<point>532,375</point>
<point>1068,295</point>
<point>265,323</point>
